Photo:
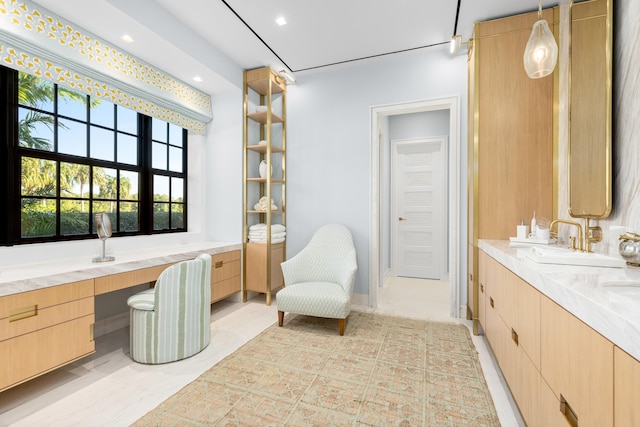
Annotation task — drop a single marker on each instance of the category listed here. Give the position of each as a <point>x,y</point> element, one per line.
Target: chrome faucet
<point>573,240</point>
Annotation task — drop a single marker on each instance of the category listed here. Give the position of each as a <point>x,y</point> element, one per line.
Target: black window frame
<point>11,155</point>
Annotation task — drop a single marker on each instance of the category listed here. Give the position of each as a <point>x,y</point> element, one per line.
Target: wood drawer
<point>14,305</point>
<point>45,317</point>
<point>30,355</point>
<point>225,266</point>
<point>131,278</point>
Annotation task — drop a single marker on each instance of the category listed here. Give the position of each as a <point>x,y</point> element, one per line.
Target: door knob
<point>402,219</point>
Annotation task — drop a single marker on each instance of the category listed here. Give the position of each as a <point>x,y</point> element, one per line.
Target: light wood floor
<point>108,389</point>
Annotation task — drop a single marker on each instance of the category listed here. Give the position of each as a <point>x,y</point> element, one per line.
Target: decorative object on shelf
<point>629,248</point>
<point>541,52</point>
<point>263,205</point>
<point>262,169</point>
<point>103,228</point>
<point>262,142</point>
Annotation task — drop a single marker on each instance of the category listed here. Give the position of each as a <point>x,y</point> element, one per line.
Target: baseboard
<point>360,299</point>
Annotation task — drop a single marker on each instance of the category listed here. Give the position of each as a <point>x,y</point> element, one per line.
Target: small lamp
<point>454,45</point>
<point>541,53</point>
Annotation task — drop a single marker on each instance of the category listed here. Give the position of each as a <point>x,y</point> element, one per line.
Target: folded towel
<point>264,240</point>
<point>264,234</point>
<point>263,205</point>
<point>275,228</point>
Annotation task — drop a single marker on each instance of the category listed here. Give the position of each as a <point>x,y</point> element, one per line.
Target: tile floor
<point>108,389</point>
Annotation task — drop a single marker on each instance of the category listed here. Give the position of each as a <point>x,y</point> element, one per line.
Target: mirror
<point>103,228</point>
<point>590,93</point>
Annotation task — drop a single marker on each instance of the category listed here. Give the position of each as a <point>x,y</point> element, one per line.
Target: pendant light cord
<point>539,9</point>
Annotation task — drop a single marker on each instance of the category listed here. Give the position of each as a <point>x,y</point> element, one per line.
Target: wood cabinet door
<point>626,389</point>
<point>577,363</point>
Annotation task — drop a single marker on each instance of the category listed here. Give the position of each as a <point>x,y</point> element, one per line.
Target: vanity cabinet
<point>225,275</point>
<point>626,389</point>
<point>44,329</point>
<point>577,363</point>
<point>264,136</point>
<point>511,138</point>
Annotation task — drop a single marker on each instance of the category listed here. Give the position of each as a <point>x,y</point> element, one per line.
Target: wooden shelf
<point>258,80</point>
<point>261,117</point>
<point>264,180</point>
<point>277,212</point>
<point>262,148</point>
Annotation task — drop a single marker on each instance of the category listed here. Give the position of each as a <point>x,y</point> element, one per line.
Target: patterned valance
<point>34,40</point>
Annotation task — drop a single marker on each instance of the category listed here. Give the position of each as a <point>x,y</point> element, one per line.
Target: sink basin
<point>625,288</point>
<point>562,256</point>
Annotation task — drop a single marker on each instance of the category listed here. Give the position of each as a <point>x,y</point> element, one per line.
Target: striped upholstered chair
<point>319,279</point>
<point>172,321</point>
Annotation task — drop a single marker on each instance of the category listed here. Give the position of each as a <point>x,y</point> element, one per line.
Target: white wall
<point>328,140</point>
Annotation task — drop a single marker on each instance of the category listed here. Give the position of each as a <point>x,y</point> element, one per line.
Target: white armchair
<point>172,321</point>
<point>319,280</point>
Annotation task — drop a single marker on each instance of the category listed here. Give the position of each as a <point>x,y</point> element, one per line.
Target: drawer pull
<point>491,302</point>
<point>218,264</point>
<point>514,336</point>
<point>23,313</point>
<point>481,288</point>
<point>568,413</point>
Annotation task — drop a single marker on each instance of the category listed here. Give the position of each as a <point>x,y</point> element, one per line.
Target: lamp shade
<point>541,53</point>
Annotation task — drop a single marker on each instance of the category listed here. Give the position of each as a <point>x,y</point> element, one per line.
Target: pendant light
<point>541,53</point>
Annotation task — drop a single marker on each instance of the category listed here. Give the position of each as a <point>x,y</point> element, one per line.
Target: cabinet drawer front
<point>30,355</point>
<point>131,278</point>
<point>16,304</point>
<point>224,288</point>
<point>43,318</point>
<point>223,270</point>
<point>225,257</point>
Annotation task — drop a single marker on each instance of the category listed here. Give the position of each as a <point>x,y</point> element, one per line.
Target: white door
<point>419,207</point>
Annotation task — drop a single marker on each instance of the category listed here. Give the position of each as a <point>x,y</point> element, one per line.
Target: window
<point>73,156</point>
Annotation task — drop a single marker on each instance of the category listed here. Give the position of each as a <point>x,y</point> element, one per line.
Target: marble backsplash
<point>626,131</point>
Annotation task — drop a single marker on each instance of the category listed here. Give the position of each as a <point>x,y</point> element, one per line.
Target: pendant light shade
<point>541,53</point>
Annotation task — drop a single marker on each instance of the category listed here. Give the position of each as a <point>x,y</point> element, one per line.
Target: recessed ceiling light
<point>281,21</point>
<point>127,38</point>
<point>197,78</point>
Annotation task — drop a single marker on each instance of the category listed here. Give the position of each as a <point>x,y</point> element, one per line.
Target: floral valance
<point>36,41</point>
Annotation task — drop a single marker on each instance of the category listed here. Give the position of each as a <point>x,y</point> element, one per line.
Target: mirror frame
<point>591,204</point>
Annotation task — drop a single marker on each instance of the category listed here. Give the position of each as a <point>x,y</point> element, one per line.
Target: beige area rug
<point>385,371</point>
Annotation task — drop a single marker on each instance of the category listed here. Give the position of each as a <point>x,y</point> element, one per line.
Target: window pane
<point>129,217</point>
<point>177,217</point>
<point>105,184</point>
<point>175,135</point>
<point>158,130</point>
<point>177,189</point>
<point>127,149</point>
<point>102,144</point>
<point>74,180</point>
<point>35,92</point>
<point>127,120</point>
<point>35,130</point>
<point>74,217</point>
<point>38,217</point>
<point>159,156</point>
<point>72,104</point>
<point>72,138</point>
<point>160,216</point>
<point>175,159</point>
<point>160,188</point>
<point>102,113</point>
<point>38,177</point>
<point>129,189</point>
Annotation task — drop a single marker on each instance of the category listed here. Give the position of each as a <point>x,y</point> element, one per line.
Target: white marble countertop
<point>611,311</point>
<point>32,276</point>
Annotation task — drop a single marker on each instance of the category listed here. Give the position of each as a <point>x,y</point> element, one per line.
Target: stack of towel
<point>258,233</point>
<point>262,205</point>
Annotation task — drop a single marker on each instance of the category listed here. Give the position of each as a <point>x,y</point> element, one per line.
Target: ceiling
<point>214,39</point>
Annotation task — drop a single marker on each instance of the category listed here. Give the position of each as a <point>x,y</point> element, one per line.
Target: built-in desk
<point>47,308</point>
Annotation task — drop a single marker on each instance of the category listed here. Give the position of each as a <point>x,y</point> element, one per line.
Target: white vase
<point>262,170</point>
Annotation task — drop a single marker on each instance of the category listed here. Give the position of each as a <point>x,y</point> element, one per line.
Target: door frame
<point>378,113</point>
<point>443,143</point>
